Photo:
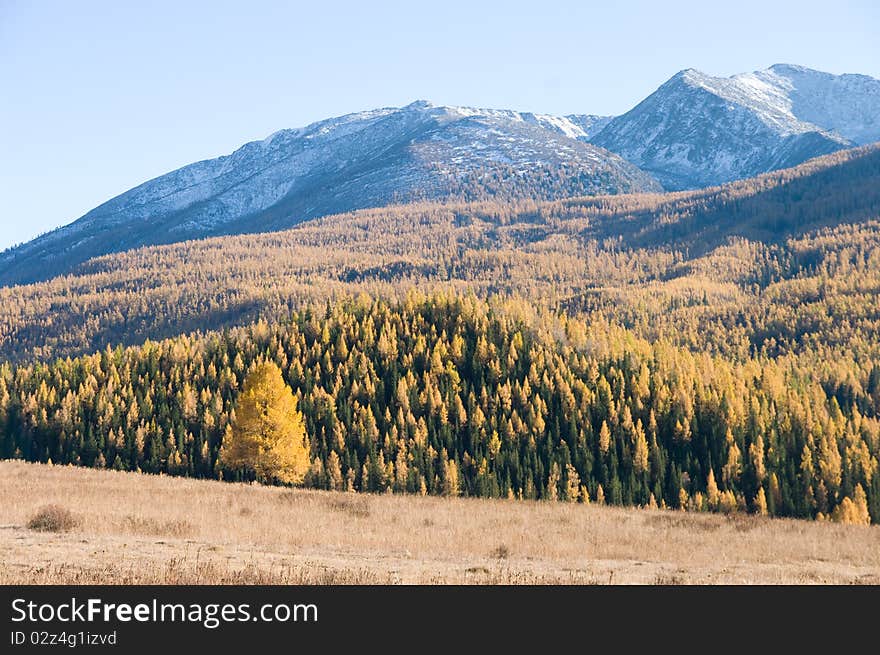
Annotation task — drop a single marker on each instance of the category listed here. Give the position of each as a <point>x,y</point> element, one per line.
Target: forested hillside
<point>447,395</point>
<point>735,268</point>
<point>420,152</point>
<point>713,350</point>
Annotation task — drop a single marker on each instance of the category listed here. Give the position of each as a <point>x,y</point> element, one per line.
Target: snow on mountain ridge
<point>699,130</point>
<point>695,130</point>
<point>762,91</point>
<point>847,104</point>
<point>366,159</point>
<point>297,150</point>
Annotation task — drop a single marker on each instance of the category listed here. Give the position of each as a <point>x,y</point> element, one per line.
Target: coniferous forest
<point>711,351</point>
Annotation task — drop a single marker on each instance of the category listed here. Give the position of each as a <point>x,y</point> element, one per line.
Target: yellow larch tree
<point>853,510</point>
<point>267,435</point>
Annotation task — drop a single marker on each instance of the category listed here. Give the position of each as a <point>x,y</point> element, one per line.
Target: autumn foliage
<point>446,394</point>
<point>266,435</point>
<point>714,350</point>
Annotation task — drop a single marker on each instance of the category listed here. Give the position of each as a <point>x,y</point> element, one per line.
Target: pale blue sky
<point>97,97</point>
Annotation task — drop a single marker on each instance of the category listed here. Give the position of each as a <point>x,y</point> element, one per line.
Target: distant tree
<point>553,483</point>
<point>267,435</point>
<point>712,493</point>
<point>604,437</point>
<point>761,503</point>
<point>572,484</point>
<point>855,510</point>
<point>450,477</point>
<point>334,472</point>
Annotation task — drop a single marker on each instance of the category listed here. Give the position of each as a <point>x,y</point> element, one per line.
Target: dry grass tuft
<point>501,552</point>
<point>52,518</point>
<point>157,528</point>
<point>351,504</point>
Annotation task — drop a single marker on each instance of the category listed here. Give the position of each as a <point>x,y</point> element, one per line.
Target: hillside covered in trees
<point>729,260</point>
<point>715,349</point>
<point>447,395</point>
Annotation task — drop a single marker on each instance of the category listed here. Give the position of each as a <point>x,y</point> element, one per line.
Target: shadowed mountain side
<point>843,187</point>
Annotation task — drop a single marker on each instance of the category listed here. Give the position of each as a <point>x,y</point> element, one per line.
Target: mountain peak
<point>793,68</point>
<point>700,130</point>
<point>694,130</point>
<point>420,104</point>
<point>687,75</point>
<point>367,159</point>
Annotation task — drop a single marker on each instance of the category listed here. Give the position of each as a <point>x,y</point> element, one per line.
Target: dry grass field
<point>108,527</point>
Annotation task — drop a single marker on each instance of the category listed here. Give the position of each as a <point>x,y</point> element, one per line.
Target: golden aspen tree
<point>806,466</point>
<point>727,502</point>
<point>401,470</point>
<point>188,401</point>
<point>760,503</point>
<point>553,483</point>
<point>572,484</point>
<point>775,491</point>
<point>450,476</point>
<point>604,438</point>
<point>381,471</point>
<point>584,495</point>
<point>334,472</point>
<point>853,510</point>
<point>712,494</point>
<point>756,455</point>
<point>494,443</point>
<point>830,463</point>
<point>365,478</point>
<point>682,498</point>
<point>731,470</point>
<point>860,500</point>
<point>682,431</point>
<point>267,435</point>
<point>640,452</point>
<point>4,399</point>
<point>402,394</point>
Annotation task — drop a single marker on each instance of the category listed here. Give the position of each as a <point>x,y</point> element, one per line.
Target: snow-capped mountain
<point>576,126</point>
<point>695,130</point>
<point>368,159</point>
<point>698,130</point>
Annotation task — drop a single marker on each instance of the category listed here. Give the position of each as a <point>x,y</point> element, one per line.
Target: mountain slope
<point>698,130</point>
<point>582,250</point>
<point>419,152</point>
<point>848,105</point>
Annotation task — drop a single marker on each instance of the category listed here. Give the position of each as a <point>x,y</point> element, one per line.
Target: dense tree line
<point>448,394</point>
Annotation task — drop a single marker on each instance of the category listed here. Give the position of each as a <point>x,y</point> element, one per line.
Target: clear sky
<point>97,97</point>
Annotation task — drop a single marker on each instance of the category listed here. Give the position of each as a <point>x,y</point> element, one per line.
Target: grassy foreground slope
<point>135,528</point>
